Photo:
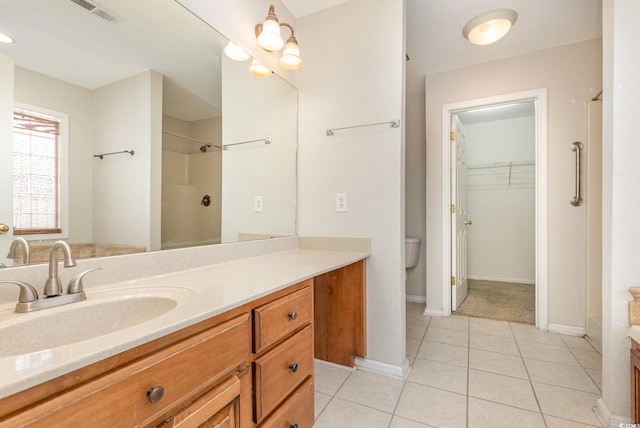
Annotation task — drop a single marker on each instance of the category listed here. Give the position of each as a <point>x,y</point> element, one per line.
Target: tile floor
<point>468,372</point>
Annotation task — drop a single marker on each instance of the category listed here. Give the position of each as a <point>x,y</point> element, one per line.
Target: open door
<point>459,220</point>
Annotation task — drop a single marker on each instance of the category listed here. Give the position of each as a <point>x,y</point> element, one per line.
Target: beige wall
<point>573,75</point>
<point>346,84</point>
<point>44,91</point>
<point>415,207</point>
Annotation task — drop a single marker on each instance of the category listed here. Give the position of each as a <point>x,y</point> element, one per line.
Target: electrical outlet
<point>258,204</point>
<point>341,202</point>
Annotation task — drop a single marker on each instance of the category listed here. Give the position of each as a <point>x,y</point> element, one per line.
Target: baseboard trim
<point>569,330</point>
<point>609,420</point>
<point>416,298</point>
<point>487,278</point>
<point>433,312</point>
<point>390,370</point>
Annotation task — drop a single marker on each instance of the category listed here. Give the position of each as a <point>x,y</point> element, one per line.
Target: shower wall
<point>189,174</point>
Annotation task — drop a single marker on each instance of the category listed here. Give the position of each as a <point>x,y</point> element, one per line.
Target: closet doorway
<point>495,150</point>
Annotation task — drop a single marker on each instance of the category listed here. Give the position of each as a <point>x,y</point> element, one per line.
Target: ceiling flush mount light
<point>235,52</point>
<point>269,39</point>
<point>5,38</point>
<point>489,27</point>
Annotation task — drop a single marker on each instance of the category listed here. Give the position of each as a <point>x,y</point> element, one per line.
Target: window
<point>37,143</point>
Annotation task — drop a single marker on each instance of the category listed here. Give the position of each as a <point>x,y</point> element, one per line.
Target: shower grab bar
<point>576,201</point>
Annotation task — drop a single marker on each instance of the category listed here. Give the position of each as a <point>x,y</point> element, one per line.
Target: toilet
<point>411,251</point>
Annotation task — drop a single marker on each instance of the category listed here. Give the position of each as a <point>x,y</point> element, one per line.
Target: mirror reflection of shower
<point>191,167</point>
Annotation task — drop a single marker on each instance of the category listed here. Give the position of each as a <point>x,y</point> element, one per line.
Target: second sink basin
<point>102,313</point>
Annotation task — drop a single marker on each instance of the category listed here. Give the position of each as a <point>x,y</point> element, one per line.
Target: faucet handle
<point>27,292</point>
<point>75,285</point>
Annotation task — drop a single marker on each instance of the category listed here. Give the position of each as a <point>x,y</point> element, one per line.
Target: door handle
<point>468,223</point>
<point>3,228</point>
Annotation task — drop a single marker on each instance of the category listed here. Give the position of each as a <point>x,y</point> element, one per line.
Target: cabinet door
<point>635,383</point>
<point>217,408</point>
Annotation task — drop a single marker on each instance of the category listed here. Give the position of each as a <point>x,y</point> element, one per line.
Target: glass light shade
<point>259,70</point>
<point>489,27</point>
<point>5,38</point>
<point>290,58</point>
<point>235,52</point>
<point>270,38</point>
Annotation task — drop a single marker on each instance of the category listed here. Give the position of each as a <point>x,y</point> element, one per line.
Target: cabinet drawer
<point>281,370</point>
<point>277,319</point>
<point>120,397</point>
<point>298,410</point>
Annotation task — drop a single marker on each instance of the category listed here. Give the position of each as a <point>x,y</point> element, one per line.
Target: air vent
<point>97,11</point>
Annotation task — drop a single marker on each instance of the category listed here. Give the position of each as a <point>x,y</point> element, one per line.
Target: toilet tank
<point>411,251</point>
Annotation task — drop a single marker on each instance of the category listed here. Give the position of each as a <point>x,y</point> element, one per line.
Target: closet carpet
<point>503,301</point>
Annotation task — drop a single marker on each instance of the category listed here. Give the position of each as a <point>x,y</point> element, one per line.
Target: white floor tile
<point>567,403</point>
<point>398,422</point>
<point>490,327</point>
<point>502,389</point>
<point>432,406</point>
<point>444,353</point>
<point>503,345</point>
<point>328,379</point>
<point>483,414</point>
<point>576,342</point>
<point>545,352</point>
<point>416,331</point>
<point>588,359</point>
<point>508,365</point>
<point>344,414</point>
<point>447,335</point>
<point>321,401</point>
<point>454,322</point>
<point>372,390</point>
<point>553,422</point>
<point>530,333</point>
<point>412,346</point>
<point>439,375</point>
<point>567,376</point>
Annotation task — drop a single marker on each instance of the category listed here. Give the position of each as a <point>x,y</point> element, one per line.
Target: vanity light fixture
<point>269,39</point>
<point>258,69</point>
<point>489,27</point>
<point>235,52</point>
<point>5,38</point>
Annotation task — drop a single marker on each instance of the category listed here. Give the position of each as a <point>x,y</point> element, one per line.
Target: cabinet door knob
<point>293,315</point>
<point>293,367</point>
<point>155,394</point>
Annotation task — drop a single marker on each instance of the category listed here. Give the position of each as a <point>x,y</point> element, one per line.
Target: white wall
<point>354,76</point>
<point>501,201</point>
<point>127,115</point>
<point>620,197</point>
<point>44,91</point>
<point>572,74</point>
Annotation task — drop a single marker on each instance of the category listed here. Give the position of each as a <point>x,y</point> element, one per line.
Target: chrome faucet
<point>29,301</point>
<point>53,287</point>
<point>26,250</point>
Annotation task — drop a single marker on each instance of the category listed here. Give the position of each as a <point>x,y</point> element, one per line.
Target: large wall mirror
<point>163,141</point>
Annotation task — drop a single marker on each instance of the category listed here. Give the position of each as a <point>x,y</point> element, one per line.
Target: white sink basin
<point>103,312</point>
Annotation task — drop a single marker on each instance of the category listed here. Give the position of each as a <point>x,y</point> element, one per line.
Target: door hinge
<point>453,208</point>
<point>453,280</point>
<point>452,135</point>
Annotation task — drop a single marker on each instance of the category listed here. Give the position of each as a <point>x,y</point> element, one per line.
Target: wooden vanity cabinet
<point>635,382</point>
<point>251,366</point>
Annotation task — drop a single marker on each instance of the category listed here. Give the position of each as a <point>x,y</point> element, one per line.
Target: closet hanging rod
<point>102,155</point>
<point>501,165</point>
<point>266,141</point>
<point>194,140</point>
<point>392,124</point>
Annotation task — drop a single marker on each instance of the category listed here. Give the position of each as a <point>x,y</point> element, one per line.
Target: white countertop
<point>634,332</point>
<point>207,291</point>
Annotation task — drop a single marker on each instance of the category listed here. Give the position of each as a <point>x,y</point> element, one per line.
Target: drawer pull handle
<point>293,426</point>
<point>293,315</point>
<point>155,394</point>
<point>293,367</point>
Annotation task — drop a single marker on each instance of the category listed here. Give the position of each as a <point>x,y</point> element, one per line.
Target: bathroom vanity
<point>238,352</point>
